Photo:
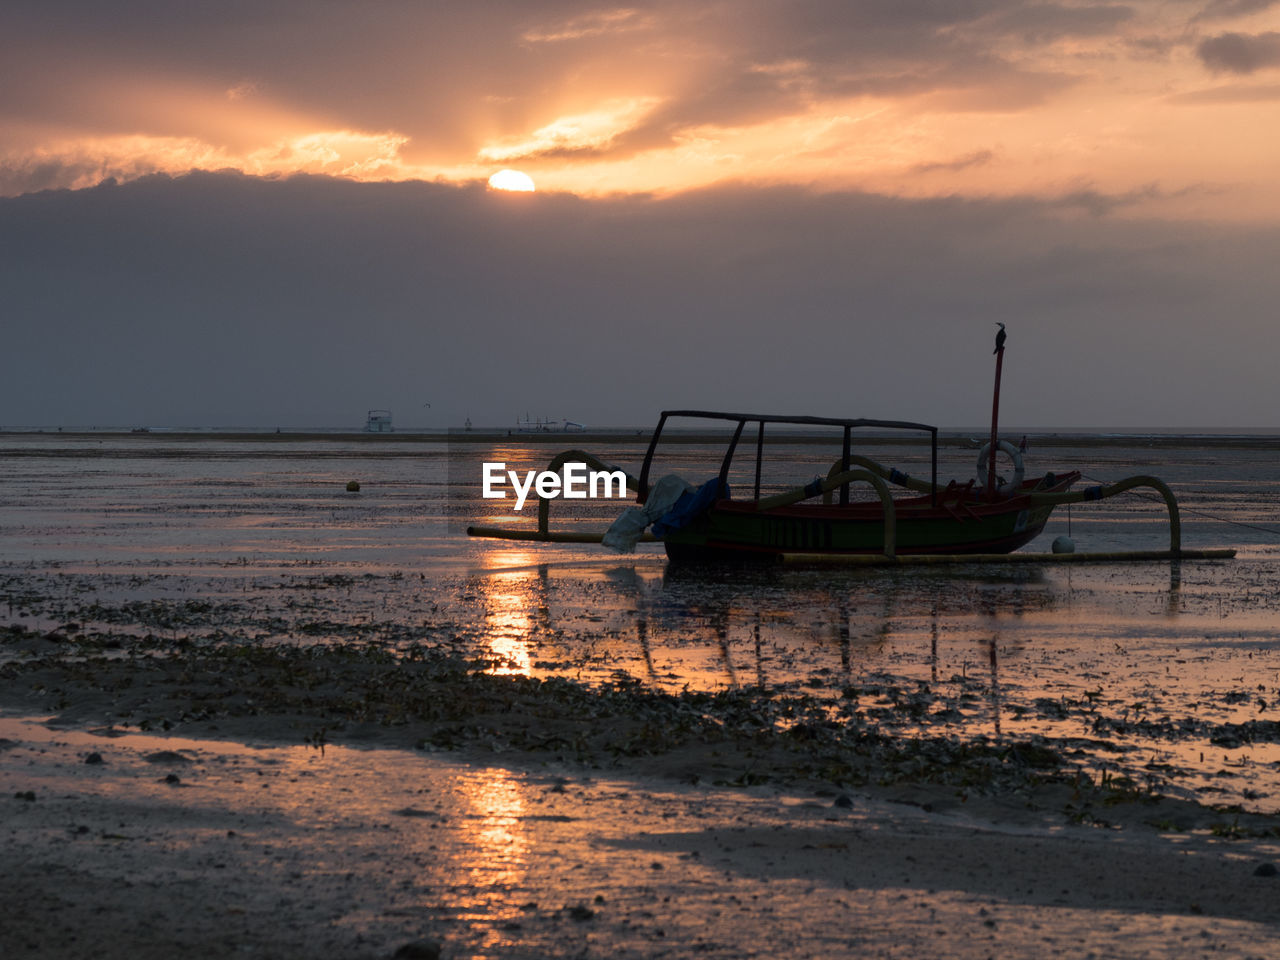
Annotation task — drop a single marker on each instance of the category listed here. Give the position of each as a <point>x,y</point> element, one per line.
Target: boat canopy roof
<point>813,421</point>
<point>742,419</point>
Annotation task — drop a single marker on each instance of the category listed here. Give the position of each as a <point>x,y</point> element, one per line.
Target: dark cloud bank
<point>1240,53</point>
<point>219,299</point>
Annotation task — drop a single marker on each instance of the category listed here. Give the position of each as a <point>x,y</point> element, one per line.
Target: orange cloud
<point>907,99</point>
<point>591,131</point>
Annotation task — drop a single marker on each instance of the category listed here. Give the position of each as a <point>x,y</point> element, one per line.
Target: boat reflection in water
<point>684,628</point>
<point>980,652</point>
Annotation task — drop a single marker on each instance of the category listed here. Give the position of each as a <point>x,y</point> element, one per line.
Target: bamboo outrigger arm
<point>833,482</point>
<point>886,473</point>
<point>1121,486</point>
<point>1037,499</point>
<point>576,456</point>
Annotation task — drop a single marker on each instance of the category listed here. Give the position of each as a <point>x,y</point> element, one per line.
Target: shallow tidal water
<point>1165,674</point>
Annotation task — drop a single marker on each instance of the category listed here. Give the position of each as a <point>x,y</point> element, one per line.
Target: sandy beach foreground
<point>212,850</point>
<point>498,817</point>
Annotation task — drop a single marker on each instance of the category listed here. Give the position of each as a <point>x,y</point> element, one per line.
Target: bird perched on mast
<point>1000,337</point>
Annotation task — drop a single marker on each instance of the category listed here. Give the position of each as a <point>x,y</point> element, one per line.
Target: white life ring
<point>984,464</point>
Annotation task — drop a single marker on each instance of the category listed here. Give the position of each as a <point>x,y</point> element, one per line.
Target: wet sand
<point>207,848</point>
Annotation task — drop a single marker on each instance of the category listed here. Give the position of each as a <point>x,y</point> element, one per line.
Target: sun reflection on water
<point>508,626</point>
<point>496,827</point>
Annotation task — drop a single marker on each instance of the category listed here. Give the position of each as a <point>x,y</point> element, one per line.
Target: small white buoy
<point>1064,544</point>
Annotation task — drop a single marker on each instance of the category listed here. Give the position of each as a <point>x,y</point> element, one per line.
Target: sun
<point>511,180</point>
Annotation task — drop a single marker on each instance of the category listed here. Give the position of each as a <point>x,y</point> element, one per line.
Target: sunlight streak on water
<point>493,829</point>
<point>507,622</point>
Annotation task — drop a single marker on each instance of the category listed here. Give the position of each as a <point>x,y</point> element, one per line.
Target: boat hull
<point>736,529</point>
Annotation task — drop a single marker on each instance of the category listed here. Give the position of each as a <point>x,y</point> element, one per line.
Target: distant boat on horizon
<point>528,424</point>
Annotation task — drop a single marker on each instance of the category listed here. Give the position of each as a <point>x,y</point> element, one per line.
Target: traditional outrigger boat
<point>821,520</point>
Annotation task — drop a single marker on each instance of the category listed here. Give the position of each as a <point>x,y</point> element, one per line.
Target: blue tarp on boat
<point>690,506</point>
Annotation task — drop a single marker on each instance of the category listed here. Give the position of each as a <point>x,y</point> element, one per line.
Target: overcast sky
<point>275,213</point>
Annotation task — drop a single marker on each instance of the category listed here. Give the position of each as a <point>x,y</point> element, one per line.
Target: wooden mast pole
<point>995,419</point>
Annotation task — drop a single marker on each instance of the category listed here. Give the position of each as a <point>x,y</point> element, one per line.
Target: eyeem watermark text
<point>577,483</point>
